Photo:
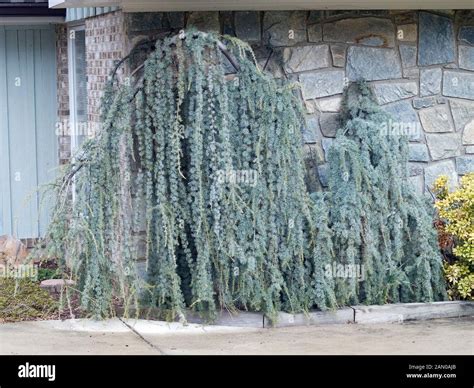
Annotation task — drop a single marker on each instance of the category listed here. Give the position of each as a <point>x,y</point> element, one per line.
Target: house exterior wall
<point>105,46</point>
<point>421,66</point>
<point>28,142</point>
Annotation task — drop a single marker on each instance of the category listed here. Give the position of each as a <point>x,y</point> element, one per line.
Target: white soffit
<point>236,5</point>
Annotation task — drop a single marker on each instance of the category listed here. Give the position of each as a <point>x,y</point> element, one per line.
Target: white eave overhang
<point>263,5</point>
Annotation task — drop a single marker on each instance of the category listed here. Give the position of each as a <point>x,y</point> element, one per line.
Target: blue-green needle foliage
<point>206,170</point>
<point>377,220</point>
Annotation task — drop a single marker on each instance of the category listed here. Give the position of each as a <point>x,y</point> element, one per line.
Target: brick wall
<point>105,45</point>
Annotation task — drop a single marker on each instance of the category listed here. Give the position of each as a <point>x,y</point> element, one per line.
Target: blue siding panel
<point>5,202</point>
<point>20,79</point>
<point>47,141</point>
<point>28,131</point>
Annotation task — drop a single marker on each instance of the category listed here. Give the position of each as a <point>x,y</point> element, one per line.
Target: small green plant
<point>456,212</point>
<point>23,299</point>
<point>48,273</point>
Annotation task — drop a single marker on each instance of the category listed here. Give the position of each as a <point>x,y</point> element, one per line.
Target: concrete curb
<point>344,315</point>
<point>238,319</point>
<point>389,313</point>
<point>412,311</point>
<point>249,321</point>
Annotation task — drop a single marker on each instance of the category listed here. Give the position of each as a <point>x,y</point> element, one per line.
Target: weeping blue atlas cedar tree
<point>377,219</point>
<point>201,174</point>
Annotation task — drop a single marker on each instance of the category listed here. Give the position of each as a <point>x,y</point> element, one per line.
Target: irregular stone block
<point>315,33</point>
<point>468,133</point>
<point>323,173</point>
<point>331,14</point>
<point>466,57</point>
<point>425,102</point>
<point>227,20</point>
<point>408,55</point>
<point>464,17</point>
<point>322,83</point>
<point>404,120</point>
<point>310,131</point>
<point>442,100</point>
<point>436,119</point>
<point>368,31</point>
<point>415,169</point>
<point>176,19</point>
<point>204,21</point>
<point>463,113</point>
<point>314,153</point>
<point>310,106</point>
<point>329,124</point>
<point>273,66</point>
<point>407,32</point>
<point>417,182</point>
<point>466,34</point>
<point>465,164</point>
<point>303,58</point>
<point>247,26</point>
<point>404,16</point>
<point>458,84</point>
<point>372,64</point>
<point>327,144</point>
<point>338,52</point>
<point>411,73</point>
<point>263,53</point>
<point>470,150</point>
<point>444,145</point>
<point>445,167</point>
<point>315,17</point>
<point>145,21</point>
<point>436,42</point>
<point>284,28</point>
<point>393,91</point>
<point>418,153</point>
<point>329,104</point>
<point>430,81</point>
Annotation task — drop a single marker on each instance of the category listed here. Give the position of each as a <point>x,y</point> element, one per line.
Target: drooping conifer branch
<point>200,177</point>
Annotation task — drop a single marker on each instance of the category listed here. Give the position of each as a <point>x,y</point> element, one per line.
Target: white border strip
<point>30,20</point>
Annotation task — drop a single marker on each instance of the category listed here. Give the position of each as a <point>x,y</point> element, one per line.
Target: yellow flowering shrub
<point>456,213</point>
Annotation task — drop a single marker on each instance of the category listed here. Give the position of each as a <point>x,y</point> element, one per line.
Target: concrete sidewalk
<point>442,336</point>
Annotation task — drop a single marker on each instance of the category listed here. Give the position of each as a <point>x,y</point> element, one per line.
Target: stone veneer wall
<point>421,66</point>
